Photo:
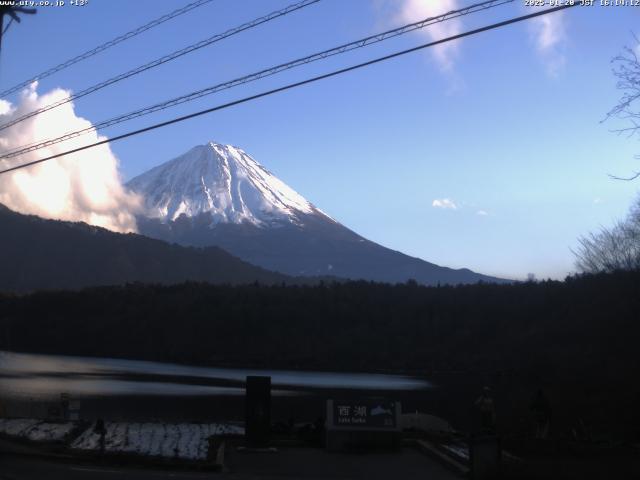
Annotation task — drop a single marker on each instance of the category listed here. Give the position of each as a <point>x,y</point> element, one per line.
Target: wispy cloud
<point>409,11</point>
<point>482,213</point>
<point>549,36</point>
<point>445,203</point>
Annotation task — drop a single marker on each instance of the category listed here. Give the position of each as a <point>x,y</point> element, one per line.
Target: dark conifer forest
<point>577,338</point>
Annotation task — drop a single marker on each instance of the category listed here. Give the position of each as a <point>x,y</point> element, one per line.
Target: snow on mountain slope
<point>217,195</point>
<point>224,181</point>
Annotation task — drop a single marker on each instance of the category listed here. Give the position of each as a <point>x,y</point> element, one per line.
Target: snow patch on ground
<point>16,427</point>
<point>189,441</point>
<point>36,430</point>
<point>457,450</point>
<point>50,432</point>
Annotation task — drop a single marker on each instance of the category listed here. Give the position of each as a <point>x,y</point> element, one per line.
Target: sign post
<point>363,424</point>
<point>258,411</point>
<point>485,454</point>
<point>74,410</point>
<point>64,405</point>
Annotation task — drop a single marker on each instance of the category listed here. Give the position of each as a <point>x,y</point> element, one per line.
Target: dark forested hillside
<point>579,338</point>
<point>46,254</point>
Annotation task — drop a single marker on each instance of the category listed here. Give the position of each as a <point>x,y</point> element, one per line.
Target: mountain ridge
<point>258,218</point>
<point>52,254</point>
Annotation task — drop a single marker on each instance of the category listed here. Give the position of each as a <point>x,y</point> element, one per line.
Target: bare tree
<point>626,69</point>
<point>618,247</point>
<point>610,249</point>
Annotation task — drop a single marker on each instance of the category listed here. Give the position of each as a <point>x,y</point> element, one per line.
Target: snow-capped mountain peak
<point>244,209</point>
<point>223,181</point>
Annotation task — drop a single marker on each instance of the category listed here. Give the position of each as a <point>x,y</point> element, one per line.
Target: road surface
<point>286,464</point>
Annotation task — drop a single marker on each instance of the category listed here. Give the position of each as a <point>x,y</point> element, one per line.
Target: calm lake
<point>34,375</point>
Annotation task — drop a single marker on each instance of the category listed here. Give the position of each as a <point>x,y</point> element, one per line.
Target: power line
<point>294,85</point>
<point>363,42</point>
<point>105,46</point>
<point>167,58</point>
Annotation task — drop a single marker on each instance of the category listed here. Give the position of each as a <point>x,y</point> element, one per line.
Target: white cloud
<point>597,200</point>
<point>409,11</point>
<point>482,213</point>
<point>444,203</point>
<point>85,186</point>
<point>550,31</point>
<point>5,107</point>
<point>549,35</point>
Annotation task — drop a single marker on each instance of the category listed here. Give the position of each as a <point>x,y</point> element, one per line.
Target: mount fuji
<point>218,195</point>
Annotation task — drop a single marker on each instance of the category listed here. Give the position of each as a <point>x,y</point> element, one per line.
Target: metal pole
<point>1,28</point>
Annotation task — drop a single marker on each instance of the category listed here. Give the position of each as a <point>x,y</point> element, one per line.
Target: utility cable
<point>164,59</point>
<point>105,46</point>
<point>363,42</point>
<point>294,85</point>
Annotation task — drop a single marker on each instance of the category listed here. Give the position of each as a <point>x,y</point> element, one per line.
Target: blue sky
<point>505,125</point>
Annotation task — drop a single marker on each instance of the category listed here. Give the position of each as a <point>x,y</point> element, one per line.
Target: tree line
<point>577,337</point>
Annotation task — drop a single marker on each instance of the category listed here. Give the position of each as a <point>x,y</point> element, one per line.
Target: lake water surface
<point>35,375</point>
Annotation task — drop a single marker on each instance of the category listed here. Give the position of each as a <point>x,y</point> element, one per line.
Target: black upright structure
<point>258,411</point>
<point>12,11</point>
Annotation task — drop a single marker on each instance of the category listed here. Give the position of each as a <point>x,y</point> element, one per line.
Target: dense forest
<point>577,338</point>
